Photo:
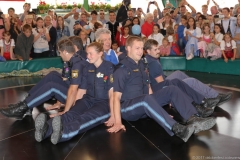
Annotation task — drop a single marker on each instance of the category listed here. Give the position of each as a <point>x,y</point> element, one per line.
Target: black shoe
<point>202,111</point>
<point>224,98</point>
<point>201,124</point>
<point>183,132</point>
<point>28,113</point>
<point>17,111</point>
<point>57,129</point>
<point>210,102</point>
<point>41,127</point>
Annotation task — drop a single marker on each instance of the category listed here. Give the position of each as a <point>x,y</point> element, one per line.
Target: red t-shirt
<point>147,28</point>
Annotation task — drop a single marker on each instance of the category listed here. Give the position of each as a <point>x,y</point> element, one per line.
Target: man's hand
<point>73,10</point>
<point>57,114</point>
<point>110,122</point>
<point>116,128</point>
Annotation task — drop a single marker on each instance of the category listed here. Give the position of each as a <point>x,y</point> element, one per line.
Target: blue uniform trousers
<point>50,86</point>
<point>194,95</point>
<point>151,106</point>
<point>195,84</point>
<point>87,113</point>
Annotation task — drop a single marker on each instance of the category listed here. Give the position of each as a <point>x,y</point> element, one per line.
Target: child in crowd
<point>180,31</point>
<point>205,39</point>
<point>237,36</point>
<point>213,48</point>
<point>165,22</point>
<point>7,44</point>
<point>123,38</point>
<point>165,47</point>
<point>172,39</point>
<point>115,47</point>
<point>24,43</point>
<point>228,47</point>
<point>85,39</point>
<point>62,30</point>
<point>14,30</point>
<point>156,35</point>
<point>41,39</point>
<point>192,34</point>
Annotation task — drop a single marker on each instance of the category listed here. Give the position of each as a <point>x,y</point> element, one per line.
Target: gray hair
<point>101,31</point>
<point>47,16</point>
<point>148,15</point>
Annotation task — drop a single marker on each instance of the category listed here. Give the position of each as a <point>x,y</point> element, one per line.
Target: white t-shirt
<point>223,44</point>
<point>170,39</point>
<point>71,21</point>
<point>12,43</point>
<point>158,37</point>
<point>41,41</point>
<point>165,27</point>
<point>219,37</point>
<point>198,32</point>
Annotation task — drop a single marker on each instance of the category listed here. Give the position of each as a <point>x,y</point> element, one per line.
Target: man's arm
<point>191,7</point>
<point>70,13</point>
<point>80,93</point>
<point>110,122</point>
<point>159,79</point>
<point>117,114</point>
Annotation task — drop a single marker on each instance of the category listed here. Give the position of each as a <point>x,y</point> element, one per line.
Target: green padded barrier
<point>217,66</point>
<point>173,63</point>
<point>32,66</point>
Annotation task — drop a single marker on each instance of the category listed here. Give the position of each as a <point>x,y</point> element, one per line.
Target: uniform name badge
<point>74,73</point>
<point>100,75</point>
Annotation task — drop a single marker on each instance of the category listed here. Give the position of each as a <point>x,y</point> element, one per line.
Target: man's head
<point>151,46</point>
<point>102,14</point>
<point>134,46</point>
<point>27,7</point>
<point>204,9</point>
<point>48,20</point>
<point>112,16</point>
<point>139,12</point>
<point>226,12</point>
<point>27,30</point>
<point>103,36</point>
<point>11,12</point>
<point>77,42</point>
<point>214,10</point>
<point>66,49</point>
<point>183,10</point>
<point>130,14</point>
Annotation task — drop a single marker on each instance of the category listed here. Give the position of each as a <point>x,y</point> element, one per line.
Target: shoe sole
<point>57,130</point>
<point>225,100</point>
<point>15,117</point>
<point>39,125</point>
<point>205,125</point>
<point>189,132</point>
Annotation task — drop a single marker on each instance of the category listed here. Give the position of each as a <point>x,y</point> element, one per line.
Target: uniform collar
<point>131,60</point>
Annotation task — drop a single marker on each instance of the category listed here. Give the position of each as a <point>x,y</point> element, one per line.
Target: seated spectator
<point>165,22</point>
<point>29,19</point>
<point>14,30</point>
<point>165,48</point>
<point>85,39</point>
<point>91,24</point>
<point>115,47</point>
<point>53,36</point>
<point>181,39</point>
<point>172,39</point>
<point>201,20</point>
<point>228,47</point>
<point>41,39</point>
<point>156,34</point>
<point>24,43</point>
<point>147,27</point>
<point>7,44</point>
<point>123,38</point>
<point>62,30</point>
<point>237,37</point>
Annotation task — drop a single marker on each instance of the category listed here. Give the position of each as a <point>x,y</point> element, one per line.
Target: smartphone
<point>78,10</point>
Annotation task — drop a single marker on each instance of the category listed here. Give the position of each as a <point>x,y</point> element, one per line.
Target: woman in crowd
<point>147,27</point>
<point>14,29</point>
<point>165,22</point>
<point>41,39</point>
<point>62,30</point>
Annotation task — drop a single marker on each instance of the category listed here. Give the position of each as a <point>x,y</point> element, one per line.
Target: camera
<point>152,2</point>
<point>218,16</point>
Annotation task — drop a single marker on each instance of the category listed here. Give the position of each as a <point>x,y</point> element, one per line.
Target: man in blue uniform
<point>52,85</point>
<point>157,76</point>
<point>90,110</point>
<point>133,98</point>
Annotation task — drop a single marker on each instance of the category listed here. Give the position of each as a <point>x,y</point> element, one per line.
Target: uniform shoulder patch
<point>111,78</point>
<point>75,73</point>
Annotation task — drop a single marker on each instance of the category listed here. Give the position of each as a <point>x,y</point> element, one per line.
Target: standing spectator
<point>26,8</point>
<point>62,30</point>
<point>14,29</point>
<point>147,27</point>
<point>2,26</point>
<point>157,14</point>
<point>11,14</point>
<point>29,19</point>
<point>130,16</point>
<point>139,13</point>
<point>112,25</point>
<point>165,22</point>
<point>91,24</point>
<point>156,34</point>
<point>192,34</point>
<point>53,36</point>
<point>102,16</point>
<point>236,8</point>
<point>205,10</point>
<point>182,9</point>
<point>85,39</point>
<point>6,45</point>
<point>237,37</point>
<point>123,38</point>
<point>181,39</point>
<point>72,19</point>
<point>41,39</point>
<point>228,47</point>
<point>52,14</point>
<point>24,43</point>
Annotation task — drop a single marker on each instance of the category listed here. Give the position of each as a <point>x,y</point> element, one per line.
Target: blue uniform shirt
<point>98,81</point>
<point>111,56</point>
<point>76,66</point>
<point>131,79</point>
<point>155,69</point>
